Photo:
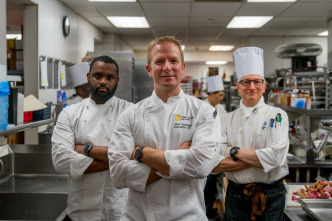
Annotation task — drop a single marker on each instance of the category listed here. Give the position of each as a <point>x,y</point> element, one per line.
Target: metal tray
<point>317,209</point>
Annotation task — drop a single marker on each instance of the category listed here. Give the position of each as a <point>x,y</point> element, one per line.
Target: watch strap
<point>87,149</point>
<point>138,154</point>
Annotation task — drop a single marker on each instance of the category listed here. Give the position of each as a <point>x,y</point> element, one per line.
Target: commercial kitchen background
<point>198,24</point>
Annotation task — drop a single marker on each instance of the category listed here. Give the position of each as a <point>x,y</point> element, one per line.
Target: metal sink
<point>32,206</point>
<point>33,197</point>
<point>30,188</point>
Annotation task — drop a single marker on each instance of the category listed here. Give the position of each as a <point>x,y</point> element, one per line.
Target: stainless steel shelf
<point>329,128</point>
<point>25,126</point>
<point>310,113</point>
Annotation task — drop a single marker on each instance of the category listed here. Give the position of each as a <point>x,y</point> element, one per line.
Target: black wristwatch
<point>233,152</point>
<point>138,154</point>
<point>87,149</point>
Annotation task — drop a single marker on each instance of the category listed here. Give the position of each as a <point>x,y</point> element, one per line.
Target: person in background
<point>215,89</point>
<point>80,142</point>
<point>150,151</point>
<point>78,74</point>
<point>254,146</point>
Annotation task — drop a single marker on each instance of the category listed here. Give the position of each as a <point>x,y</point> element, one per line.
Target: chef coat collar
<point>107,103</point>
<point>248,110</point>
<point>173,99</point>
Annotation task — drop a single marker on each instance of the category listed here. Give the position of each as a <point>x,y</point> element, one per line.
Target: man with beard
<point>79,146</point>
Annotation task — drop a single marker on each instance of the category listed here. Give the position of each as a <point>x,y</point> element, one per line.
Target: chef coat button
<point>241,132</point>
<point>84,138</point>
<point>85,121</point>
<point>254,132</point>
<point>242,114</point>
<point>87,107</point>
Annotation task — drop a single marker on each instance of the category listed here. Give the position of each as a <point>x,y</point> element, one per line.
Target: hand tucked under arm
<point>185,145</point>
<point>249,156</point>
<point>153,175</point>
<point>97,152</point>
<point>229,165</point>
<point>96,166</point>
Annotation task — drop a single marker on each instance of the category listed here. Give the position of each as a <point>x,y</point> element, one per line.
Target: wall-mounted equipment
<point>303,55</point>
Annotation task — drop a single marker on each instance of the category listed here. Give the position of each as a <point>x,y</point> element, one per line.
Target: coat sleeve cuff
<point>138,174</point>
<point>79,164</point>
<point>176,159</point>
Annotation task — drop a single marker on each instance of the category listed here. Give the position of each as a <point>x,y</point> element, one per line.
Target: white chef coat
<point>165,126</point>
<point>250,128</point>
<point>220,110</point>
<point>90,196</point>
<point>74,100</point>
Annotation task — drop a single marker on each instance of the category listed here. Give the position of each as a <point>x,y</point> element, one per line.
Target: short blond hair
<point>162,40</point>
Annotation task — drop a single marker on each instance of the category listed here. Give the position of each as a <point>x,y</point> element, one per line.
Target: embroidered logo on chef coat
<point>182,121</point>
<point>177,117</point>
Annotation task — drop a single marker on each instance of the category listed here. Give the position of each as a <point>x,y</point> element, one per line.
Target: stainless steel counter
<point>56,184</point>
<point>296,214</point>
<point>30,188</point>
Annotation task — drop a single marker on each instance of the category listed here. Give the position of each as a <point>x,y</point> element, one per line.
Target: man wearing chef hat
<point>80,142</point>
<point>215,89</point>
<point>254,146</point>
<point>78,74</point>
<point>149,152</point>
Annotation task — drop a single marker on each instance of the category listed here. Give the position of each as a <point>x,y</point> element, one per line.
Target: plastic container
<point>4,92</point>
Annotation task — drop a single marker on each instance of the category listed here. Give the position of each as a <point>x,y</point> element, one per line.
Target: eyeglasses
<point>247,83</point>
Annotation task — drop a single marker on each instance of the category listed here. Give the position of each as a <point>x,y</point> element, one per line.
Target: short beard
<point>102,98</point>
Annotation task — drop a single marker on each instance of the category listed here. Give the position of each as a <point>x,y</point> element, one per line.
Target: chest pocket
<point>261,137</point>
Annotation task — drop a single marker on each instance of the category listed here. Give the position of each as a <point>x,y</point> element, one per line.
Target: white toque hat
<point>214,83</point>
<point>248,61</point>
<point>78,73</point>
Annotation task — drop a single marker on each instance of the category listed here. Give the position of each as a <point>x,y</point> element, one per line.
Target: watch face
<point>233,151</point>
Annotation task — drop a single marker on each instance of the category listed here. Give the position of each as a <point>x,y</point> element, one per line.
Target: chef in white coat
<point>254,146</point>
<point>147,153</point>
<point>80,142</point>
<point>215,90</point>
<point>78,74</point>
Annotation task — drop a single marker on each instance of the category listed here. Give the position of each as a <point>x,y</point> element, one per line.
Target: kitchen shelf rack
<point>25,126</point>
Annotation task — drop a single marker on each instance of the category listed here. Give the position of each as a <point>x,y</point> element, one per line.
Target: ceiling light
<point>112,0</point>
<point>183,47</point>
<point>221,47</point>
<point>271,0</point>
<point>324,33</point>
<point>14,36</point>
<point>216,62</point>
<point>249,21</point>
<point>128,22</point>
